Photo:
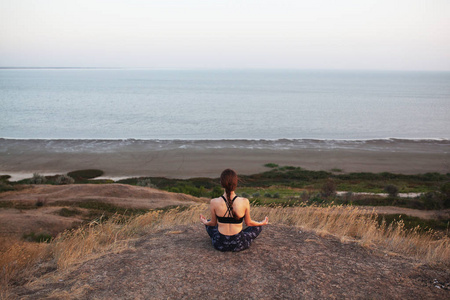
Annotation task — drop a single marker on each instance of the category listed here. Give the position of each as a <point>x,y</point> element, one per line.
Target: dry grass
<point>17,260</point>
<point>113,235</point>
<point>351,223</point>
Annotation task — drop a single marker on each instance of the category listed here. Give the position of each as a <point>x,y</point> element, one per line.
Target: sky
<point>232,34</point>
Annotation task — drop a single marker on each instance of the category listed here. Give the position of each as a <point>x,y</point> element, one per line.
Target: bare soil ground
<point>283,263</point>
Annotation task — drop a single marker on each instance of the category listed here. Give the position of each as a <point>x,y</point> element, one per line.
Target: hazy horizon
<point>405,35</point>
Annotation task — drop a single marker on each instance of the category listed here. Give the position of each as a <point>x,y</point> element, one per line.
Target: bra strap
<point>229,209</point>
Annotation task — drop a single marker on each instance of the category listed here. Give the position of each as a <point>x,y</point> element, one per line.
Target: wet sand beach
<point>184,159</point>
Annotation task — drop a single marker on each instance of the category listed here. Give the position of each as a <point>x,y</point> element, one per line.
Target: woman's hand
<point>203,220</point>
<point>265,222</point>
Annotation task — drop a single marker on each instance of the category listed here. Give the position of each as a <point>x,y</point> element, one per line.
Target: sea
<point>218,105</point>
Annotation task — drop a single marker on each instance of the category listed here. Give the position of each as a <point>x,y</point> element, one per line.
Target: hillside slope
<point>122,195</point>
<point>24,216</point>
<point>284,262</point>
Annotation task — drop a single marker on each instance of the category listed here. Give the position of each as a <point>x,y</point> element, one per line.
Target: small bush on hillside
<point>267,195</point>
<point>5,187</point>
<point>64,179</point>
<point>68,212</point>
<point>38,179</point>
<point>40,203</point>
<point>146,183</point>
<point>304,196</point>
<point>445,191</point>
<point>216,192</point>
<point>4,178</point>
<point>433,200</point>
<point>245,195</point>
<point>276,195</point>
<point>328,188</point>
<point>42,237</point>
<point>316,199</point>
<point>255,195</point>
<point>189,189</point>
<point>392,190</point>
<point>271,165</point>
<point>81,175</point>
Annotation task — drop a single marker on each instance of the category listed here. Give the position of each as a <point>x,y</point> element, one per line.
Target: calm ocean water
<point>191,105</point>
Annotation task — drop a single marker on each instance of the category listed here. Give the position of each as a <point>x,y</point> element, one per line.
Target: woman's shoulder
<point>216,200</point>
<point>242,200</point>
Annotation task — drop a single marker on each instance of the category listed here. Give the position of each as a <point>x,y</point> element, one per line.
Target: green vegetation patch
<point>81,176</point>
<point>380,201</point>
<point>41,237</point>
<point>19,204</point>
<point>102,207</point>
<point>413,222</point>
<point>69,212</point>
<point>198,187</point>
<point>4,178</point>
<point>5,186</point>
<point>271,165</point>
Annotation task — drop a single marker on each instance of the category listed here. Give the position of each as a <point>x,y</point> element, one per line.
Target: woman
<point>227,214</point>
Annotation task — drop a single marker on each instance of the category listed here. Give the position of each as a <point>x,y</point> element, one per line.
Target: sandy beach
<point>184,159</point>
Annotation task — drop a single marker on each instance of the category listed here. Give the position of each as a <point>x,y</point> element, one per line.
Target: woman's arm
<point>213,221</point>
<point>248,220</point>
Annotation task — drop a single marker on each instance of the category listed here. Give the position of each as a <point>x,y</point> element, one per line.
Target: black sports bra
<point>229,220</point>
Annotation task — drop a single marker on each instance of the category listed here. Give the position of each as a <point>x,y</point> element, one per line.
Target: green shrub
<point>146,183</point>
<point>64,179</point>
<point>4,178</point>
<point>38,179</point>
<point>42,237</point>
<point>82,175</point>
<point>4,187</point>
<point>304,196</point>
<point>40,203</point>
<point>68,212</point>
<point>392,190</point>
<point>245,195</point>
<point>433,200</point>
<point>271,165</point>
<point>276,195</point>
<point>411,222</point>
<point>433,176</point>
<point>316,199</point>
<point>189,189</point>
<point>267,195</point>
<point>216,192</point>
<point>328,188</point>
<point>255,195</point>
<point>445,191</point>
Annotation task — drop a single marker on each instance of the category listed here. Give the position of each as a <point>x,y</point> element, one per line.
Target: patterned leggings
<point>235,243</point>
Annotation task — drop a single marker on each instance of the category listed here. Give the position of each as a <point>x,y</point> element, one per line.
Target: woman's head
<point>229,180</point>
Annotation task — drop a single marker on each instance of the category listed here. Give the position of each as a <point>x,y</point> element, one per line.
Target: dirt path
<point>283,263</point>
